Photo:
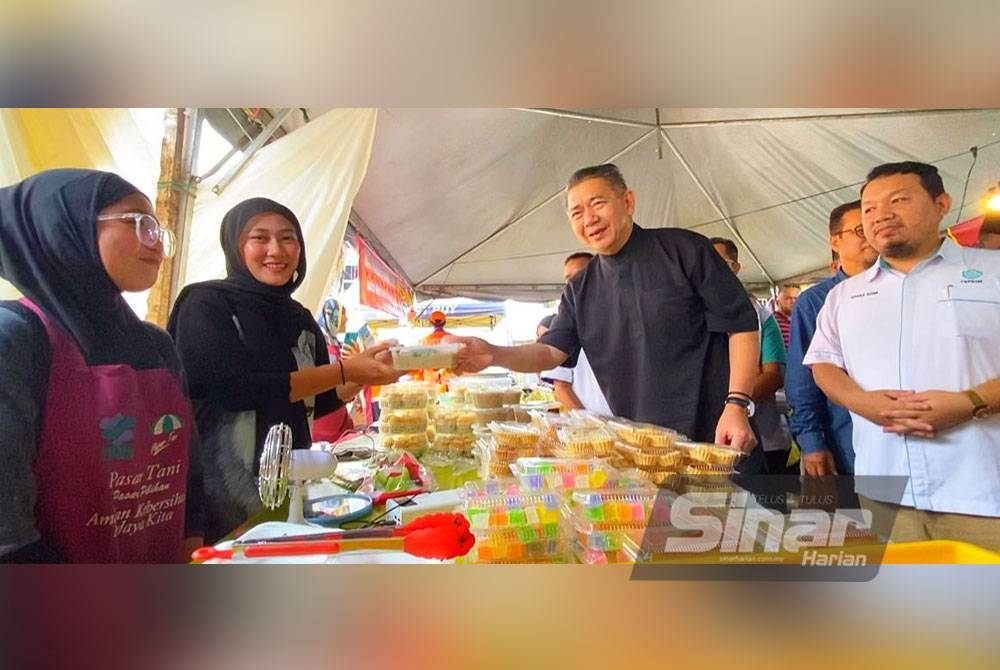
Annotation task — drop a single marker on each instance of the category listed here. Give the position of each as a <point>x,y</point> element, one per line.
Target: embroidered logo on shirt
<point>972,274</point>
<point>167,427</point>
<point>119,431</point>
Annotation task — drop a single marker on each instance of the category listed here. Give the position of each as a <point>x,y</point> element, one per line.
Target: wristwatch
<point>745,403</point>
<point>980,410</point>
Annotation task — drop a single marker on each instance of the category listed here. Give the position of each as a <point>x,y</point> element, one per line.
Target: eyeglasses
<point>857,230</point>
<point>149,231</point>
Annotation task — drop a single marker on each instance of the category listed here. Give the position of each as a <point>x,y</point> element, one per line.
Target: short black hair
<point>546,322</point>
<point>579,254</point>
<point>929,177</point>
<point>732,251</point>
<point>607,171</point>
<point>838,213</point>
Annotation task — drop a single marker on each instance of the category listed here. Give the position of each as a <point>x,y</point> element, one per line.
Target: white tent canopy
<point>470,201</point>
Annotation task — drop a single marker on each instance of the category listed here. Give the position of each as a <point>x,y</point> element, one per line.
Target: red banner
<point>379,285</point>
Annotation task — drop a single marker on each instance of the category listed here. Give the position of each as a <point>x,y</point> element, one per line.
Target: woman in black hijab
<point>96,427</point>
<point>255,357</point>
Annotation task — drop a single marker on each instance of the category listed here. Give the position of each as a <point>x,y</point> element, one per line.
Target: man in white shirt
<point>911,347</point>
<point>577,388</point>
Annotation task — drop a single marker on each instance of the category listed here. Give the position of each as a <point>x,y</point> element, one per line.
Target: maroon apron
<point>112,461</point>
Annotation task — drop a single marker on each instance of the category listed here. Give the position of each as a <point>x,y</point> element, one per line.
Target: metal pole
<point>580,116</point>
<point>257,143</point>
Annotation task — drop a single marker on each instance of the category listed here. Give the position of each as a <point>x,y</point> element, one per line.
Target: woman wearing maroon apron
<point>255,357</point>
<point>96,428</point>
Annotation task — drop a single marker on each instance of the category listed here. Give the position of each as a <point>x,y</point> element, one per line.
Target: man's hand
<point>819,463</point>
<point>872,404</point>
<point>476,355</point>
<point>938,410</point>
<point>734,429</point>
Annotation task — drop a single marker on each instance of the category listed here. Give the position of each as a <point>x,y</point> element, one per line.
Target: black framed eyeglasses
<point>858,230</point>
<point>149,231</point>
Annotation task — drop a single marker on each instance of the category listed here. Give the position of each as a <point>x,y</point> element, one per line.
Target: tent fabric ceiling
<point>470,201</point>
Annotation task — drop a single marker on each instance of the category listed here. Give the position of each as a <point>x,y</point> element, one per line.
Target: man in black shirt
<point>660,316</point>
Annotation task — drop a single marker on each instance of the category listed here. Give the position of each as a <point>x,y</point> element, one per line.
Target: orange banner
<point>379,285</point>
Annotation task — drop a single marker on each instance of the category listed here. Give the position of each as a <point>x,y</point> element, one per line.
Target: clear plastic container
<point>486,416</point>
<point>515,436</point>
<point>403,421</point>
<point>509,547</point>
<point>415,443</point>
<point>600,518</point>
<point>486,397</point>
<point>420,357</point>
<point>646,436</point>
<point>562,474</point>
<point>405,396</point>
<point>585,442</point>
<point>663,459</point>
<point>457,442</point>
<point>708,457</point>
<point>452,420</point>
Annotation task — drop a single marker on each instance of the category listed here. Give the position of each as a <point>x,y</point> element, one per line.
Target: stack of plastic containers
<point>503,444</point>
<point>602,520</point>
<point>453,429</point>
<point>651,449</point>
<point>403,422</point>
<point>450,456</point>
<point>514,526</point>
<point>493,402</point>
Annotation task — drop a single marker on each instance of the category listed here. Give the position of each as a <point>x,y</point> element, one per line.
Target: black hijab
<point>48,250</point>
<point>268,314</point>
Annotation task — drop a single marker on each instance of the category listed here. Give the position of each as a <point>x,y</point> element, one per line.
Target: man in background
<point>774,436</point>
<point>821,427</point>
<point>577,388</point>
<point>783,305</point>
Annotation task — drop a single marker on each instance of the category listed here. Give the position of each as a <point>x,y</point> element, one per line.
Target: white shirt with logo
<point>936,328</point>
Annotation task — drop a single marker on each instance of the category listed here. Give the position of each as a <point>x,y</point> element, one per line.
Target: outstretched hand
<point>476,354</point>
<point>372,366</point>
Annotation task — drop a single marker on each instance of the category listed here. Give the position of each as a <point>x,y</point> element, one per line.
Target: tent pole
<point>174,199</point>
<point>257,143</point>
<point>743,122</point>
<point>531,211</point>
<point>580,116</point>
<point>704,191</point>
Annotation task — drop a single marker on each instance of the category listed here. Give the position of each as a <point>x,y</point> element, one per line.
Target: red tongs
<point>441,536</point>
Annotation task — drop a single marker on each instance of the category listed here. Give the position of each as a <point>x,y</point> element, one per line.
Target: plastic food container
<point>460,442</point>
<point>425,356</point>
<point>514,436</point>
<point>585,442</point>
<point>484,417</point>
<point>403,421</point>
<point>404,396</point>
<point>485,397</point>
<point>600,518</point>
<point>415,443</point>
<point>561,473</point>
<point>706,458</point>
<point>646,436</point>
<point>449,420</point>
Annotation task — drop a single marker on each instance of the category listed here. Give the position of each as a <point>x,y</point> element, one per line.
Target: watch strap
<point>979,407</point>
